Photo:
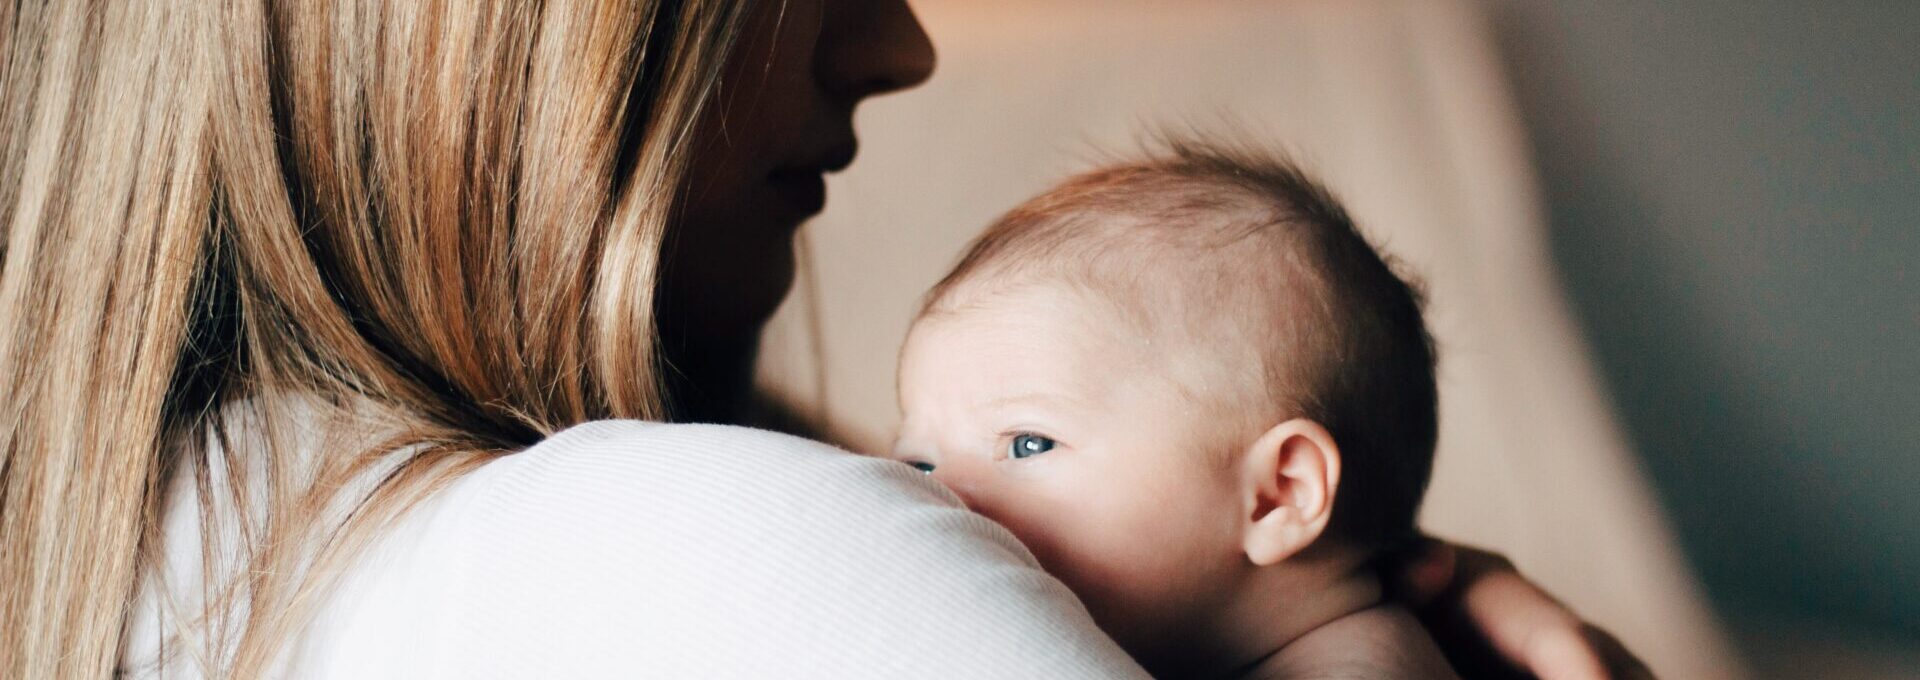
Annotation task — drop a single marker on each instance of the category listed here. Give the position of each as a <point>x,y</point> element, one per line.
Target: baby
<point>1199,396</point>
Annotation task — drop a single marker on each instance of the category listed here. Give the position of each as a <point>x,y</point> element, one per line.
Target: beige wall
<point>1402,107</point>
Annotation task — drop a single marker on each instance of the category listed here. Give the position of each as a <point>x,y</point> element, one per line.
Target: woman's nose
<point>870,47</point>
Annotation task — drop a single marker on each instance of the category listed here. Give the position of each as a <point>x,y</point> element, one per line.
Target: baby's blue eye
<point>1024,445</point>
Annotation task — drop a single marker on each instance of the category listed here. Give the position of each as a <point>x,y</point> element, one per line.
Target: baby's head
<point>1178,380</point>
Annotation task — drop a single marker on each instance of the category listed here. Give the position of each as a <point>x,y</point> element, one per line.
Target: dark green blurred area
<point>1734,192</point>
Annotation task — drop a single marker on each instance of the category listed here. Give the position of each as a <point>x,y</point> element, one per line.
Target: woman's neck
<point>710,382</point>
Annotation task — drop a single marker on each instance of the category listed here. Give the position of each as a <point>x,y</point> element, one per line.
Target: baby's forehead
<point>1176,323</point>
<point>1053,311</point>
<point>1012,336</point>
<point>1164,279</point>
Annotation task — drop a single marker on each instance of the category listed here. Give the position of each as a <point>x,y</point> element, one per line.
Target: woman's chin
<point>797,195</point>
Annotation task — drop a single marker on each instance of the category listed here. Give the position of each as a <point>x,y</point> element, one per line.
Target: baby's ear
<point>1288,481</point>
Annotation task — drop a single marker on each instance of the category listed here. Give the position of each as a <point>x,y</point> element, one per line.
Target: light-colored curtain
<point>1402,106</point>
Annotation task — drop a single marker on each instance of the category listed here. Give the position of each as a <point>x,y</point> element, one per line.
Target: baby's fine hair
<point>1195,234</point>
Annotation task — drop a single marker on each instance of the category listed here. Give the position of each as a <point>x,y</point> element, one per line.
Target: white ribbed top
<point>629,549</point>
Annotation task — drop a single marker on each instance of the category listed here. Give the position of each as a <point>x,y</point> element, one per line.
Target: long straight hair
<point>440,221</point>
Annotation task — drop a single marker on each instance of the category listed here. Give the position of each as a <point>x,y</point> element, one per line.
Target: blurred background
<point>1733,195</point>
<point>1667,244</point>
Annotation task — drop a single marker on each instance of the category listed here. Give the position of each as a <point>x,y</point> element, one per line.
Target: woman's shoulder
<point>701,550</point>
<point>625,471</point>
<point>633,446</point>
<point>675,502</point>
<point>627,435</point>
<point>672,501</point>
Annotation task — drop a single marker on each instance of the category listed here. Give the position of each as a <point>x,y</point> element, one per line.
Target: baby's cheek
<point>1125,560</point>
<point>1073,537</point>
<point>1139,546</point>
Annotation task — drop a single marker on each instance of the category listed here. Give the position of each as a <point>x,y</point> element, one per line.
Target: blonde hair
<point>430,220</point>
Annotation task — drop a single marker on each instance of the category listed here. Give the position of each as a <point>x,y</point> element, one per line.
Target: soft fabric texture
<point>629,549</point>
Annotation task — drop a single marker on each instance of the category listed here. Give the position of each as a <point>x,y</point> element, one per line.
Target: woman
<point>329,331</point>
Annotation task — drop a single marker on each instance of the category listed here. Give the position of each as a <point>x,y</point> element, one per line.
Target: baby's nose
<point>958,478</point>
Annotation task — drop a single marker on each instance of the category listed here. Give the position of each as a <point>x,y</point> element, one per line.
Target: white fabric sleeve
<point>628,549</point>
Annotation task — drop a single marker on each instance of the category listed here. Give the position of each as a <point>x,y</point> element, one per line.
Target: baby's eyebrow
<point>1040,398</point>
